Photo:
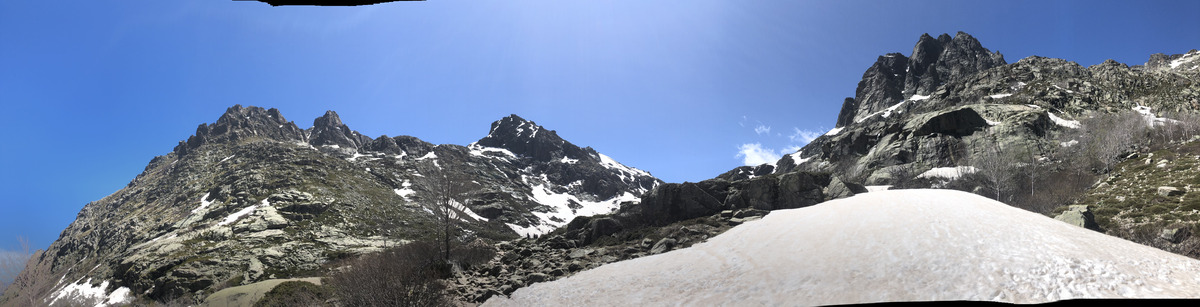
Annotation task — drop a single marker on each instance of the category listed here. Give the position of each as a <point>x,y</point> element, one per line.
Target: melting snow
<point>204,203</point>
<point>405,190</point>
<point>1068,143</point>
<point>430,155</point>
<point>877,188</point>
<point>614,165</point>
<point>226,158</point>
<point>568,160</point>
<point>902,245</point>
<point>918,97</point>
<point>998,96</point>
<point>948,172</point>
<point>560,212</point>
<point>84,291</point>
<point>834,131</point>
<point>464,209</point>
<point>477,150</point>
<point>1152,120</point>
<point>885,112</point>
<point>797,160</point>
<point>1185,59</point>
<point>237,215</point>
<point>1073,124</point>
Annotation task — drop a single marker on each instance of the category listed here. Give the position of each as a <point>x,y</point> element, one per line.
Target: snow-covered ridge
<point>900,245</point>
<point>614,165</point>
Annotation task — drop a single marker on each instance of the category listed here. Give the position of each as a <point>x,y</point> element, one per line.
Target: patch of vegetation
<point>403,276</point>
<point>295,293</point>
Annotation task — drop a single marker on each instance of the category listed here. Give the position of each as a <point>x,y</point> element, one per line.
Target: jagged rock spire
<point>240,123</point>
<point>329,130</point>
<point>933,62</point>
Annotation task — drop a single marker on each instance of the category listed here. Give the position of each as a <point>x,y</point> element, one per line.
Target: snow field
<point>899,245</point>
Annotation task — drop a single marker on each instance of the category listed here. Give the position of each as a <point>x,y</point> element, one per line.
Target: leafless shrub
<point>402,276</point>
<point>996,168</point>
<point>12,263</point>
<point>903,176</point>
<point>1108,137</point>
<point>472,254</point>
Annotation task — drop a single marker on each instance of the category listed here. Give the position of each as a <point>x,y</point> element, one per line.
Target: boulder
<point>1079,215</point>
<point>1169,191</point>
<point>677,201</point>
<point>1175,234</point>
<point>841,189</point>
<point>663,245</point>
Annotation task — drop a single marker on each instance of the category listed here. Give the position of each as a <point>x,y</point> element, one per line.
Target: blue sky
<point>92,90</point>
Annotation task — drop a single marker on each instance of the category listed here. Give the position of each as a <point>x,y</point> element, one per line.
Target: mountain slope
<point>912,115</point>
<point>252,197</point>
<point>906,245</point>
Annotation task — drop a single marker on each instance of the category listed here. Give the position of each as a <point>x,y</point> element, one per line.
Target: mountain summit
<point>934,61</point>
<point>526,138</point>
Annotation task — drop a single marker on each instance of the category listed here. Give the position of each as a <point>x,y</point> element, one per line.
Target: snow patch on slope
<point>405,190</point>
<point>902,245</point>
<point>204,203</point>
<point>1073,124</point>
<point>834,131</point>
<point>480,151</point>
<point>85,292</point>
<point>953,172</point>
<point>237,215</point>
<point>1151,119</point>
<point>1187,58</point>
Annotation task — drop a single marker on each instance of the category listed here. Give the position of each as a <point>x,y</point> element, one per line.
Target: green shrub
<point>1157,209</point>
<point>295,293</point>
<point>1107,211</point>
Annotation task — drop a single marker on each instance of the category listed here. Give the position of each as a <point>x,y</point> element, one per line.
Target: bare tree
<point>996,167</point>
<point>1109,136</point>
<point>13,262</point>
<point>1030,168</point>
<point>447,190</point>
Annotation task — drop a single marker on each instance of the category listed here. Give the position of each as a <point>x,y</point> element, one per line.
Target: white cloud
<point>761,129</point>
<point>789,150</point>
<point>755,154</point>
<point>803,136</point>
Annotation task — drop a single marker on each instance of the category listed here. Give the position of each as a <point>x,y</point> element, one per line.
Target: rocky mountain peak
<point>526,138</point>
<point>1189,61</point>
<point>243,123</point>
<point>328,130</point>
<point>933,62</point>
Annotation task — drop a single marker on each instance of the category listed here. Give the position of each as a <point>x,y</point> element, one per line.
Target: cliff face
<point>952,99</point>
